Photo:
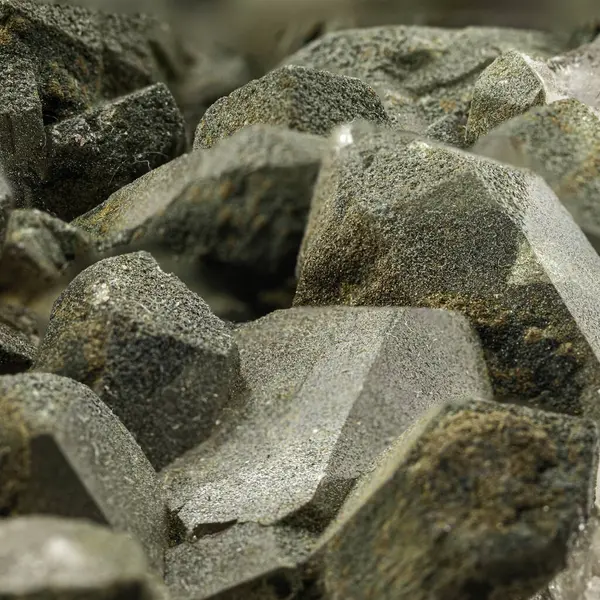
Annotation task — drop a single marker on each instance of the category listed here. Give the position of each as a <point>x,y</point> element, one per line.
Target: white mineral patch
<point>59,551</point>
<point>343,137</point>
<point>101,294</point>
<point>581,579</point>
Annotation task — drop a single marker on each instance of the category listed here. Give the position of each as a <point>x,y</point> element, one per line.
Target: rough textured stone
<point>301,99</point>
<point>50,558</point>
<point>245,562</point>
<point>36,251</point>
<point>148,346</point>
<point>66,454</point>
<point>6,205</point>
<point>243,204</point>
<point>233,216</point>
<point>79,56</point>
<point>96,152</point>
<point>324,392</point>
<point>20,319</point>
<point>58,61</point>
<point>17,352</point>
<point>425,75</point>
<point>245,209</point>
<point>399,221</point>
<point>19,335</point>
<point>510,86</point>
<point>119,218</point>
<point>561,142</point>
<point>526,482</point>
<point>22,134</point>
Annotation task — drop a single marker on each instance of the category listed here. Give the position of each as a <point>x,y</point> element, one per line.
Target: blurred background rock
<point>223,44</point>
<point>265,31</point>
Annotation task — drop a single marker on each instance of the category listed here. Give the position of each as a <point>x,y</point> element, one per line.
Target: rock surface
<point>64,453</point>
<point>560,142</point>
<point>509,87</point>
<point>243,204</point>
<point>298,460</point>
<point>48,558</point>
<point>323,392</point>
<point>99,151</point>
<point>148,346</point>
<point>37,250</point>
<point>120,217</point>
<point>526,480</point>
<point>302,99</point>
<point>60,61</point>
<point>246,561</point>
<point>17,352</point>
<point>424,75</point>
<point>514,83</point>
<point>234,215</point>
<point>400,221</point>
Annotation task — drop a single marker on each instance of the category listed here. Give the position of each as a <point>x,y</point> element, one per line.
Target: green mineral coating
<point>481,504</point>
<point>439,230</point>
<point>14,455</point>
<point>532,345</point>
<point>507,88</point>
<point>424,75</point>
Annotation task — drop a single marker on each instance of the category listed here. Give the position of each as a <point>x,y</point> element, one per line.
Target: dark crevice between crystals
<point>318,515</point>
<point>211,528</point>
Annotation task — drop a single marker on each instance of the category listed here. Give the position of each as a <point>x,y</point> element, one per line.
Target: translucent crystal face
<point>581,578</point>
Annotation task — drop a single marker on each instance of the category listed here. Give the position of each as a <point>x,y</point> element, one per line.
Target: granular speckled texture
<point>424,75</point>
<point>58,61</point>
<point>122,215</point>
<point>324,391</point>
<point>17,352</point>
<point>21,319</point>
<point>245,209</point>
<point>22,134</point>
<point>295,459</point>
<point>50,558</point>
<point>148,346</point>
<point>66,454</point>
<point>561,142</point>
<point>36,251</point>
<point>302,99</point>
<point>401,221</point>
<point>481,502</point>
<point>99,151</point>
<point>246,561</point>
<point>510,86</point>
<point>242,205</point>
